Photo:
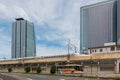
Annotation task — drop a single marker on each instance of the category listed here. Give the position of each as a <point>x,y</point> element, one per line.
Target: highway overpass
<point>105,62</point>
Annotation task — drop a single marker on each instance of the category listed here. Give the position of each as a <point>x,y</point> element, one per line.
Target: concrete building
<point>100,23</point>
<point>23,39</point>
<point>104,49</point>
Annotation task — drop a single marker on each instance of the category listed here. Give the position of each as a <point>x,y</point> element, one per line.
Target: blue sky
<point>55,22</point>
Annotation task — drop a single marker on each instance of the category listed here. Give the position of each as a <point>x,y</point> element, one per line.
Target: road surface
<point>7,77</point>
<point>13,76</point>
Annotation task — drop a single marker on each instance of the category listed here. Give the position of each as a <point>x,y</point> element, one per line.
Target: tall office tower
<point>118,22</point>
<point>23,39</point>
<point>99,24</point>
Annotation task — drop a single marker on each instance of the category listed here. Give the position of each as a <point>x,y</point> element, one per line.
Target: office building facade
<point>100,23</point>
<point>23,39</point>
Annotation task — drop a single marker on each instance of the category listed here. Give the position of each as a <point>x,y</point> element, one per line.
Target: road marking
<point>62,79</point>
<point>28,79</point>
<point>1,79</point>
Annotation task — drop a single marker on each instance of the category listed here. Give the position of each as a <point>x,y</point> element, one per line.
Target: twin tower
<point>23,39</point>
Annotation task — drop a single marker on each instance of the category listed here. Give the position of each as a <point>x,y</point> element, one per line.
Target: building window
<point>92,50</point>
<point>112,48</point>
<point>106,68</point>
<point>118,47</point>
<point>100,50</point>
<point>95,50</point>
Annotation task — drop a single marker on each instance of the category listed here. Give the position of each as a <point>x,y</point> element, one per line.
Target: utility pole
<point>68,57</point>
<point>75,48</point>
<point>69,45</point>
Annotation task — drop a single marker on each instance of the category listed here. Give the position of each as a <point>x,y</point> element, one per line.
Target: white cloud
<point>37,37</point>
<point>61,16</point>
<point>43,50</point>
<point>5,45</point>
<point>22,12</point>
<point>2,7</point>
<point>5,50</point>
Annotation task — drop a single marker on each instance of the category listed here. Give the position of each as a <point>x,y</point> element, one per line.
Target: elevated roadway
<point>62,59</point>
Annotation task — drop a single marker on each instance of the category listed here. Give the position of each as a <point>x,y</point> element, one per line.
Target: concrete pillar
<point>81,63</point>
<point>38,64</point>
<point>117,66</point>
<point>115,48</point>
<point>30,65</point>
<point>98,67</point>
<point>46,66</point>
<point>91,69</point>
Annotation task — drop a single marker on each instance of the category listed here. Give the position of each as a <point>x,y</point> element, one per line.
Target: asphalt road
<point>38,77</point>
<point>7,77</point>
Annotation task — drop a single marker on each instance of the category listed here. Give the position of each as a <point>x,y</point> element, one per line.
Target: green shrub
<point>9,69</point>
<point>117,78</point>
<point>27,69</point>
<point>53,70</point>
<point>39,70</point>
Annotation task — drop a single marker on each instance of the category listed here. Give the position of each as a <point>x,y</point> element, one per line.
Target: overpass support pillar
<point>117,66</point>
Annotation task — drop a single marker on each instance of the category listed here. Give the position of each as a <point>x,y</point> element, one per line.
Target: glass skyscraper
<point>100,23</point>
<point>23,39</point>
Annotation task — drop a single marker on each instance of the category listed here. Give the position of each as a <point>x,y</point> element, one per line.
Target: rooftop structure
<point>19,19</point>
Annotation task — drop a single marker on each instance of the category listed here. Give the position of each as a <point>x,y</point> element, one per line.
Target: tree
<point>53,70</point>
<point>27,69</point>
<point>9,69</point>
<point>39,70</point>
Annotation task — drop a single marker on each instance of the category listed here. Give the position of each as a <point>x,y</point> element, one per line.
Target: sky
<point>55,21</point>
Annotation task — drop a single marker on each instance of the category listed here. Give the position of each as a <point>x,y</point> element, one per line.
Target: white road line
<point>28,79</point>
<point>1,79</point>
<point>62,79</point>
